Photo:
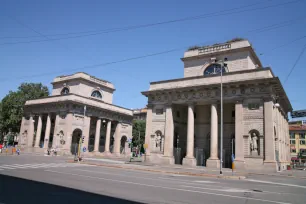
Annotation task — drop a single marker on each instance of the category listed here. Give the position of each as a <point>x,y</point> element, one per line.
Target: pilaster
<point>47,132</point>
<point>269,161</point>
<point>239,140</point>
<point>169,132</point>
<point>38,132</point>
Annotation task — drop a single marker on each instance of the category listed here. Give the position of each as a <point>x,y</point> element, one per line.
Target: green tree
<point>12,104</point>
<point>139,131</point>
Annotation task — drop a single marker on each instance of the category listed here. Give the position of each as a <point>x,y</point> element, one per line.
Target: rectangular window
<point>177,114</point>
<point>292,141</point>
<point>293,150</point>
<point>302,142</point>
<point>159,111</point>
<point>302,136</point>
<point>292,135</point>
<point>253,106</point>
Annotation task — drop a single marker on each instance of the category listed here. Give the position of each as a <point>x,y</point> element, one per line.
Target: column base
<point>270,166</point>
<point>213,163</point>
<point>189,161</point>
<point>106,153</point>
<point>239,164</point>
<point>167,160</point>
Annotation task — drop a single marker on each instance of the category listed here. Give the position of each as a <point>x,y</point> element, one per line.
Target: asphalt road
<point>37,179</point>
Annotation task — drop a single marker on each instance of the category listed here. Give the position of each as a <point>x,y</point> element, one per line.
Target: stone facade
<point>184,115</point>
<point>79,109</point>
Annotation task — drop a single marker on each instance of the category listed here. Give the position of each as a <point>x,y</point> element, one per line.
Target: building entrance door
<point>76,136</point>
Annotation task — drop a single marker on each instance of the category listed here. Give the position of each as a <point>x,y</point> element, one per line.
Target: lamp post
<point>82,136</point>
<point>222,65</point>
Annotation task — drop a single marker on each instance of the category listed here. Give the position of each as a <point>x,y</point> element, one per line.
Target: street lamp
<point>222,65</point>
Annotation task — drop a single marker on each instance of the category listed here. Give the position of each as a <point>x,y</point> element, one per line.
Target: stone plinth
<point>213,163</point>
<point>189,162</point>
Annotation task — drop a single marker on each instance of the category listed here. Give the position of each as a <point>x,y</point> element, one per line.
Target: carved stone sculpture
<point>254,143</point>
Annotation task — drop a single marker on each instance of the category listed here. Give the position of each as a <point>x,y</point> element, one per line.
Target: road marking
<point>6,167</point>
<point>170,188</point>
<point>270,182</point>
<point>205,182</point>
<point>124,175</point>
<point>230,190</point>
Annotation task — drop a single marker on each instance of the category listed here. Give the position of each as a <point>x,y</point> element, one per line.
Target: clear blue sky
<point>130,78</point>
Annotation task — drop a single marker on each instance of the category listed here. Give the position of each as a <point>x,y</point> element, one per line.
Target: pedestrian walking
<point>1,146</point>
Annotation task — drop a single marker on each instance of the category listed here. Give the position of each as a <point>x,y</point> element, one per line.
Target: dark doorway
<point>76,135</point>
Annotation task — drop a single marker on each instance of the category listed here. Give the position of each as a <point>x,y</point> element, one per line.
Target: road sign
<point>145,146</point>
<point>84,149</point>
<point>233,157</point>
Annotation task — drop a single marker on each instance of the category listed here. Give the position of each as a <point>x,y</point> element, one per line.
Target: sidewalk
<point>166,169</point>
<point>184,170</point>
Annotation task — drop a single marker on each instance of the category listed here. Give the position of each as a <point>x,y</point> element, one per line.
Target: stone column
<point>169,132</point>
<point>68,133</point>
<point>97,136</point>
<point>239,141</point>
<point>47,132</point>
<point>269,161</point>
<point>55,142</point>
<point>117,140</point>
<point>189,160</point>
<point>107,138</point>
<point>148,129</point>
<point>31,132</point>
<point>86,133</point>
<point>38,132</point>
<point>21,133</point>
<point>213,160</point>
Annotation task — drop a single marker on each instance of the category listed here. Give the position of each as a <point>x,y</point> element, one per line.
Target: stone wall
<point>236,62</point>
<point>83,88</point>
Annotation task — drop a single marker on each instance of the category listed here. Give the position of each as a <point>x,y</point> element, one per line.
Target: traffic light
<point>83,139</point>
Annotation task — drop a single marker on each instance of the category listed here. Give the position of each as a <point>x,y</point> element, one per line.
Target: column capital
<point>150,106</point>
<point>191,103</point>
<point>239,101</point>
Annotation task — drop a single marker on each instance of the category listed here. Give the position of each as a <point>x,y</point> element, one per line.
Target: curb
<point>166,172</point>
<point>288,176</point>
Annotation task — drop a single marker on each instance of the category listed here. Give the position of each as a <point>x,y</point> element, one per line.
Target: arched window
<point>65,91</point>
<point>96,94</point>
<point>214,69</point>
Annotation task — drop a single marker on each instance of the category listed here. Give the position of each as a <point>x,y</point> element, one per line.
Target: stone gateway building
<point>80,108</point>
<point>183,115</point>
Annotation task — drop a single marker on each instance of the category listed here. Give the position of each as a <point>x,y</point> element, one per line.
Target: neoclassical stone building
<point>80,105</point>
<point>183,115</point>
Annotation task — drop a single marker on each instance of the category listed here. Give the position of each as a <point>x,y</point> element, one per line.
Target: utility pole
<point>222,65</point>
<point>81,139</point>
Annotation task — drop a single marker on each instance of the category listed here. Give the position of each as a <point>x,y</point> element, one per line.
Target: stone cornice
<point>217,75</point>
<point>80,99</point>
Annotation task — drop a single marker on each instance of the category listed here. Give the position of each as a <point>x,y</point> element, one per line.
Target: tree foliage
<point>139,128</point>
<point>12,104</point>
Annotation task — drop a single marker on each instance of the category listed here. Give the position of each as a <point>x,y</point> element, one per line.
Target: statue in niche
<point>254,143</point>
<point>158,139</point>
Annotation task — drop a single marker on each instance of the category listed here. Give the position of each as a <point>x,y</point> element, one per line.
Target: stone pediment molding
<point>250,117</point>
<point>59,102</point>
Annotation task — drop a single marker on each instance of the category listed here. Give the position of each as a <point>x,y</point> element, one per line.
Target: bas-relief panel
<point>158,126</point>
<point>208,94</point>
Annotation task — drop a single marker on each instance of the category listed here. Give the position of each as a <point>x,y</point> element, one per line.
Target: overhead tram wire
<point>283,45</point>
<point>150,25</point>
<point>41,34</point>
<point>138,57</point>
<point>143,25</point>
<point>295,63</point>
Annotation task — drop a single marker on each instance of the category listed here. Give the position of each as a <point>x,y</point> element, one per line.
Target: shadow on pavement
<point>17,190</point>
